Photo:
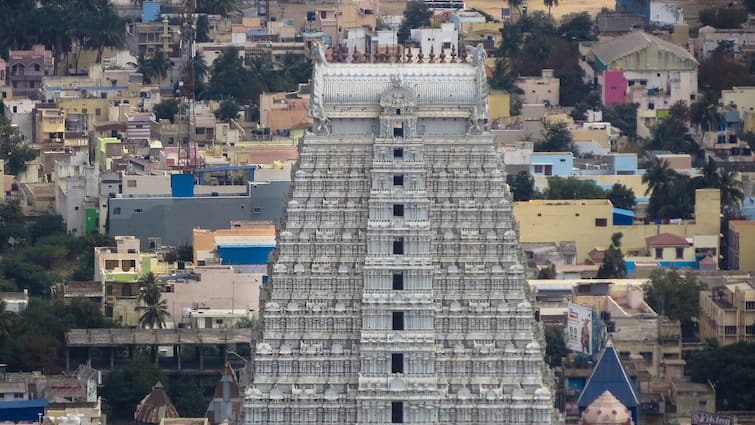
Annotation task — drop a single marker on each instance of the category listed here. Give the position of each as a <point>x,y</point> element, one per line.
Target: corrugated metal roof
<point>612,50</point>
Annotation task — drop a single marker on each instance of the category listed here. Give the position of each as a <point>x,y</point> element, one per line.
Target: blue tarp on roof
<point>609,375</point>
<point>622,217</point>
<point>22,410</point>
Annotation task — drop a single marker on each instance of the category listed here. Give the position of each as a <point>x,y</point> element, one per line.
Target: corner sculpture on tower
<point>397,292</point>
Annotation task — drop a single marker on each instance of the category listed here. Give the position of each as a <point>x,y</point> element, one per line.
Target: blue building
<point>552,164</point>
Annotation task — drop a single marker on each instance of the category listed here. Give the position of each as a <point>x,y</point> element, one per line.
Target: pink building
<point>28,68</point>
<point>614,88</point>
<point>216,287</point>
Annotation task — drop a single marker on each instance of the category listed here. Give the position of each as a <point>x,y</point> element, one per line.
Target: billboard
<point>579,329</point>
<point>703,418</point>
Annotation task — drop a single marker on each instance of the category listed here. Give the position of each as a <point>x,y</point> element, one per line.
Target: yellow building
<point>49,125</point>
<point>96,109</point>
<point>481,31</point>
<point>247,233</point>
<point>589,223</point>
<point>741,250</point>
<point>499,105</point>
<point>727,313</point>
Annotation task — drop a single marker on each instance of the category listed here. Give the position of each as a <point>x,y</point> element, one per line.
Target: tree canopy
<point>557,138</point>
<point>416,15</point>
<point>13,150</point>
<point>166,110</point>
<point>227,110</point>
<point>624,117</point>
<point>522,185</point>
<point>675,295</point>
<point>572,188</point>
<point>613,262</point>
<point>621,196</point>
<point>731,370</point>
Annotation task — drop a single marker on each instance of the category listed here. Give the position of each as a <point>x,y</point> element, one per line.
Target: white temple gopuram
<point>397,293</point>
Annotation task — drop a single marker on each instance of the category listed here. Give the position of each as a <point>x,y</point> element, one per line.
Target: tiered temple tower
<point>397,293</point>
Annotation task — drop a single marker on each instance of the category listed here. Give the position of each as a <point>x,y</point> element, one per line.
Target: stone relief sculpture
<point>479,116</point>
<point>316,106</point>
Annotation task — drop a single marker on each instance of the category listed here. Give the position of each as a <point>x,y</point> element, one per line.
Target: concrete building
<point>591,224</point>
<point>552,164</point>
<point>544,89</point>
<point>398,197</point>
<point>741,245</point>
<point>49,125</point>
<point>284,111</point>
<point>248,242</point>
<point>742,98</point>
<point>640,68</point>
<point>234,290</point>
<point>27,69</point>
<point>436,40</point>
<point>727,312</point>
<point>171,219</point>
<point>77,194</point>
<point>657,12</point>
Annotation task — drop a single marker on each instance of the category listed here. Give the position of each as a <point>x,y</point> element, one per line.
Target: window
<point>258,210</point>
<point>398,246</point>
<point>398,180</point>
<point>109,290</point>
<point>398,281</point>
<point>84,110</point>
<point>397,362</point>
<point>538,169</point>
<point>398,321</point>
<point>98,112</point>
<point>659,253</point>
<point>126,291</point>
<point>37,67</point>
<point>730,330</point>
<point>749,330</point>
<point>601,222</point>
<point>397,412</point>
<point>398,210</point>
<point>117,211</point>
<point>624,355</point>
<point>131,183</point>
<point>749,305</point>
<point>398,111</point>
<point>398,132</point>
<point>648,357</point>
<point>398,152</point>
<point>679,253</point>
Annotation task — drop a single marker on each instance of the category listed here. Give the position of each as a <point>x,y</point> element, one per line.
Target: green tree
<point>12,225</point>
<point>624,117</point>
<point>621,196</point>
<point>730,186</point>
<point>547,272</point>
<point>522,185</point>
<point>550,4</point>
<point>555,346</point>
<point>722,71</point>
<point>577,27</point>
<point>186,395</point>
<point>46,225</point>
<point>557,138</point>
<point>572,188</point>
<point>416,15</point>
<point>657,175</point>
<point>203,29</point>
<point>613,263</point>
<point>126,385</point>
<point>723,17</point>
<point>674,199</point>
<point>731,370</point>
<point>676,296</point>
<point>166,110</point>
<point>186,252</point>
<point>227,110</point>
<point>704,112</point>
<point>216,7</point>
<point>104,28</point>
<point>154,309</point>
<point>13,150</point>
<point>230,79</point>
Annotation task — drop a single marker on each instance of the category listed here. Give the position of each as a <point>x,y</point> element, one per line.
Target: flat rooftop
<point>116,337</point>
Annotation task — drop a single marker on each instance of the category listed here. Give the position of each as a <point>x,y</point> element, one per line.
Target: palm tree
<point>731,189</point>
<point>155,309</point>
<point>657,175</point>
<point>108,30</point>
<point>709,177</point>
<point>550,4</point>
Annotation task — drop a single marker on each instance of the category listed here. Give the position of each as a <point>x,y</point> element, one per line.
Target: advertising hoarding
<point>579,329</point>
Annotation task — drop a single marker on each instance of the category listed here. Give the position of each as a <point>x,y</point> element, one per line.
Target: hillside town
<point>241,212</point>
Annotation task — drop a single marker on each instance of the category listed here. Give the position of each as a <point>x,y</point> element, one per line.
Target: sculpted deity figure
<point>316,106</point>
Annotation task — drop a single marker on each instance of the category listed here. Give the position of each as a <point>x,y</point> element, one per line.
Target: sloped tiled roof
<point>666,239</point>
<point>609,375</point>
<point>635,41</point>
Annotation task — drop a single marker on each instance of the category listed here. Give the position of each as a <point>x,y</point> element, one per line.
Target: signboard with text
<point>703,418</point>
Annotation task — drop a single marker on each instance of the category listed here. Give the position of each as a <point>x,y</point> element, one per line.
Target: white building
<point>434,40</point>
<point>76,191</point>
<point>397,294</point>
<point>544,89</point>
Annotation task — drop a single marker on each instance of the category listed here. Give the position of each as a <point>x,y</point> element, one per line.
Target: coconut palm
<point>550,4</point>
<point>710,178</point>
<point>731,189</point>
<point>107,30</point>
<point>154,309</point>
<point>657,175</point>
